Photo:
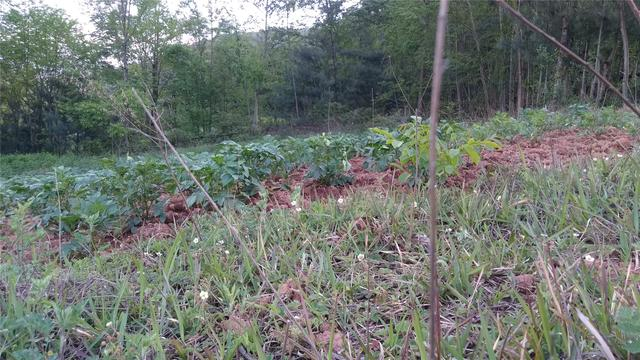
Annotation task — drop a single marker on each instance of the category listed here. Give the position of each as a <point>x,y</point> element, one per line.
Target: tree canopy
<point>63,90</point>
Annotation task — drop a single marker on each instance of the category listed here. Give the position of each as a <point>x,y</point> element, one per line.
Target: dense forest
<point>65,90</point>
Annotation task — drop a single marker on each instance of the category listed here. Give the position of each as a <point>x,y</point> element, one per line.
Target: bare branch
<point>438,70</point>
<point>573,56</point>
<point>230,227</point>
<point>634,9</point>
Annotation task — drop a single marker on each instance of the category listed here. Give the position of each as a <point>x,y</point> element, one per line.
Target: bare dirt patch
<point>553,149</point>
<point>280,189</point>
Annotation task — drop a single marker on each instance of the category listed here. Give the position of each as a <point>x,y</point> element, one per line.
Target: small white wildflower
<point>448,230</point>
<point>588,259</point>
<point>204,295</point>
<point>109,324</point>
<point>196,240</point>
<point>595,159</point>
<point>584,170</point>
<point>544,235</point>
<point>575,234</point>
<point>415,204</point>
<point>619,155</point>
<point>340,201</point>
<point>475,191</point>
<point>158,254</point>
<point>606,158</point>
<point>294,203</point>
<point>499,198</point>
<point>298,209</point>
<point>226,252</point>
<point>521,236</point>
<point>221,242</point>
<point>360,257</point>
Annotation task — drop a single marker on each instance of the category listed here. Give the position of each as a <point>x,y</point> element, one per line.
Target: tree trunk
<point>254,122</point>
<point>635,83</point>
<point>519,91</point>
<point>559,74</point>
<point>295,97</point>
<point>583,85</point>
<point>625,55</point>
<point>595,84</point>
<point>124,10</point>
<point>483,78</point>
<point>539,90</point>
<point>420,100</point>
<point>606,67</point>
<point>510,82</point>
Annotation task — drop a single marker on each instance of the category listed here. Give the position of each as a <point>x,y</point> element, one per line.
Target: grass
<point>522,254</point>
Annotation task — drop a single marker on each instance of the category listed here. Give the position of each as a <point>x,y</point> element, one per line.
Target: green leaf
<point>628,320</point>
<point>404,177</point>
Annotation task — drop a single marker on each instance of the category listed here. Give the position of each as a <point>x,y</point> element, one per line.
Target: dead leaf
<point>525,283</point>
<point>324,338</point>
<point>236,325</point>
<point>289,290</point>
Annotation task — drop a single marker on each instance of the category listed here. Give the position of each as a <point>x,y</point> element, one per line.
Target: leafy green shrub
<point>411,143</point>
<point>329,161</point>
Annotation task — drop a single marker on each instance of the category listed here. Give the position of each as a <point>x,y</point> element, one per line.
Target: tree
<point>45,63</point>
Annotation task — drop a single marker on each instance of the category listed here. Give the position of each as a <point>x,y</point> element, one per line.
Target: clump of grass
<point>522,254</point>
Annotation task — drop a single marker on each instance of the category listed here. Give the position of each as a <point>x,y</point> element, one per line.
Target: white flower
<point>415,204</point>
<point>340,201</point>
<point>448,230</point>
<point>606,158</point>
<point>109,324</point>
<point>196,240</point>
<point>544,235</point>
<point>294,203</point>
<point>588,259</point>
<point>595,159</point>
<point>158,254</point>
<point>221,242</point>
<point>575,234</point>
<point>584,170</point>
<point>360,257</point>
<point>499,197</point>
<point>298,209</point>
<point>204,295</point>
<point>226,252</point>
<point>619,155</point>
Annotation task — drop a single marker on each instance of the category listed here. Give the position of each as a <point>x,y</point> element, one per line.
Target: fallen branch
<point>634,9</point>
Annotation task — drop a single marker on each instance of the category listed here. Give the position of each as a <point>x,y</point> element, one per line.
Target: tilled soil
<point>553,149</point>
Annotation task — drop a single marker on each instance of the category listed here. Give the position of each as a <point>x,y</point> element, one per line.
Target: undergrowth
<point>534,264</point>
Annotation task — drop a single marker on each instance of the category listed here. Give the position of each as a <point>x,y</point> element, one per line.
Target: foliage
<point>411,143</point>
<point>513,225</point>
<point>361,63</point>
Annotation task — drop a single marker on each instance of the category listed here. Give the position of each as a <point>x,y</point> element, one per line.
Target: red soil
<point>553,149</point>
<point>311,190</point>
